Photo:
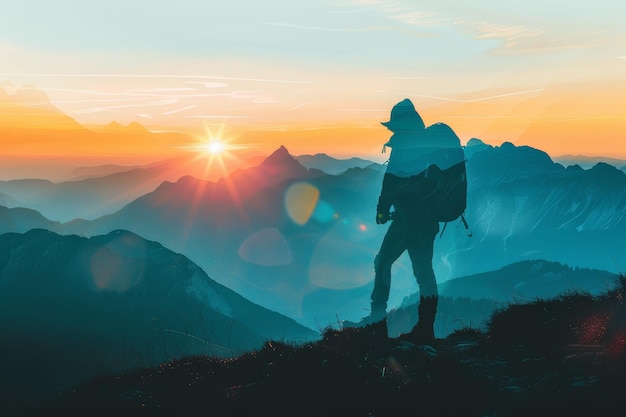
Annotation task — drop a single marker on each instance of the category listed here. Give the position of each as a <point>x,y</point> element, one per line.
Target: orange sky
<point>562,119</point>
<point>315,76</point>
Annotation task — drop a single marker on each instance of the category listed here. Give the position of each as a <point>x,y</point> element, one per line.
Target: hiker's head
<point>404,118</point>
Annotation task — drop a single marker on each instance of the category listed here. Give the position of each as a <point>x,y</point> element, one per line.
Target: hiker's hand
<point>382,218</point>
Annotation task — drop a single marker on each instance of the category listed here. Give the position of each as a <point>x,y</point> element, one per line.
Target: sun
<point>214,147</point>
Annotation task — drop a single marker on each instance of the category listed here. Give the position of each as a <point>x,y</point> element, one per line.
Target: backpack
<point>437,178</point>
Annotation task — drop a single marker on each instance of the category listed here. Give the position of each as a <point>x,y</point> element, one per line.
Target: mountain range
<point>72,307</point>
<point>521,205</point>
<point>224,225</point>
<point>240,229</point>
<point>35,136</point>
<point>29,120</point>
<point>527,281</point>
<point>470,301</point>
<point>333,166</point>
<point>93,196</point>
<point>587,162</point>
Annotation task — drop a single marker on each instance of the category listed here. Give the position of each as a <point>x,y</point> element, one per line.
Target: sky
<point>320,75</point>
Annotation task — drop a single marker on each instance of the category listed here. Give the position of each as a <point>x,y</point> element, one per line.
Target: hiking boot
<point>423,332</point>
<point>375,324</point>
<point>376,315</point>
<point>420,334</point>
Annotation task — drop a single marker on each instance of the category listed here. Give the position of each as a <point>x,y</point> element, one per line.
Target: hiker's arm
<point>387,193</point>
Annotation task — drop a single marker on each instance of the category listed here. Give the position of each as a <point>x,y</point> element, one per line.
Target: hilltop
<point>563,356</point>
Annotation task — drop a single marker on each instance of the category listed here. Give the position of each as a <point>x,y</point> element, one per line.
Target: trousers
<point>416,235</point>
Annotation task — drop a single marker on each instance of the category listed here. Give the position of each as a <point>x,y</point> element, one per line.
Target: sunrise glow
<point>536,75</point>
<point>213,143</point>
<point>215,147</point>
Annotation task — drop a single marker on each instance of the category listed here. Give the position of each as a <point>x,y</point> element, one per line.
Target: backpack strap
<point>469,232</point>
<point>444,229</point>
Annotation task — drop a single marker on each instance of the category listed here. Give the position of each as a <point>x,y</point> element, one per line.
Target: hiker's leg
<point>421,252</point>
<point>420,249</point>
<point>391,248</point>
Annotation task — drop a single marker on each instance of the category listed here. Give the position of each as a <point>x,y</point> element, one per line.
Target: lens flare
<point>324,212</point>
<point>340,263</point>
<point>267,247</point>
<point>300,201</point>
<point>120,264</point>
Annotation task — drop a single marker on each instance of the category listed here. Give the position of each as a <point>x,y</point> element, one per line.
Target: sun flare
<point>214,147</point>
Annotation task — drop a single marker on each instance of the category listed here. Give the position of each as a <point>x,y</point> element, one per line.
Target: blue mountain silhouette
<point>72,307</point>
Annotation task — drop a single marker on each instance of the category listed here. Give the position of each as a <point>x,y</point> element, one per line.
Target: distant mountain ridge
<point>21,220</point>
<point>81,173</point>
<point>520,203</point>
<point>518,283</point>
<point>587,162</point>
<point>105,189</point>
<point>332,166</point>
<point>210,221</point>
<point>521,206</point>
<point>471,300</point>
<point>7,200</point>
<point>527,281</point>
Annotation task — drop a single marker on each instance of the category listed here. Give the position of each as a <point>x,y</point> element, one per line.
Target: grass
<point>564,356</point>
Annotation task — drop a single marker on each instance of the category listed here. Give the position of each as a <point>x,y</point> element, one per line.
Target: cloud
<point>265,100</point>
<point>513,36</point>
<point>143,94</point>
<point>100,100</point>
<point>420,18</point>
<point>360,110</point>
<point>125,106</point>
<point>515,93</point>
<point>161,90</point>
<point>208,84</point>
<point>163,76</point>
<point>526,39</point>
<point>215,116</point>
<point>510,34</point>
<point>167,113</point>
<point>313,28</point>
<point>299,106</point>
<point>406,78</point>
<point>407,13</point>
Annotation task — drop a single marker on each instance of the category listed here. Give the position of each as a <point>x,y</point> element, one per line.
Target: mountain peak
<point>602,168</point>
<point>475,145</point>
<point>114,125</point>
<point>137,127</point>
<point>280,156</point>
<point>133,127</point>
<point>30,95</point>
<point>475,142</point>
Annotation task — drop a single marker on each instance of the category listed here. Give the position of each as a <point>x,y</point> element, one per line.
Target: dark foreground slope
<point>72,308</point>
<point>565,356</point>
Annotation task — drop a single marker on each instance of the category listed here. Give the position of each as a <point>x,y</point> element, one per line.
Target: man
<point>414,171</point>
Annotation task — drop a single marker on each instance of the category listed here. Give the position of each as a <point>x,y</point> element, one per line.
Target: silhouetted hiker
<point>425,183</point>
